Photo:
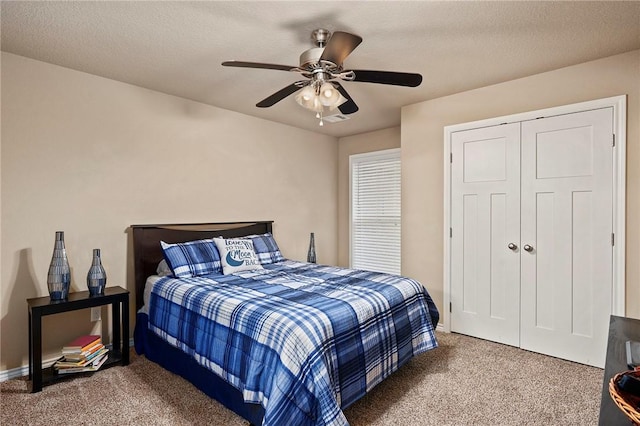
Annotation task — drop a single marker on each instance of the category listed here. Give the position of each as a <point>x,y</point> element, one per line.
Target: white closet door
<point>567,182</point>
<point>485,273</point>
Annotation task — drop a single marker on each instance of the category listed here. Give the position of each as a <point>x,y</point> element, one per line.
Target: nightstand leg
<point>30,348</point>
<point>125,331</point>
<point>36,338</point>
<point>115,328</point>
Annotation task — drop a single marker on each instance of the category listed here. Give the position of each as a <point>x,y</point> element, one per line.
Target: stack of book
<point>86,353</point>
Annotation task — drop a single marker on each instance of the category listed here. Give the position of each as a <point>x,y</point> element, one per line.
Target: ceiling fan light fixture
<point>320,98</point>
<point>316,105</point>
<point>328,95</point>
<point>308,94</point>
<point>308,99</point>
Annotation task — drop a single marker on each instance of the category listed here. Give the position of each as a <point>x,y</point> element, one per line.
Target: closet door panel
<point>567,221</point>
<point>485,201</point>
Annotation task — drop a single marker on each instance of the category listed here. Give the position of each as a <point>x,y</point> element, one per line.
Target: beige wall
<point>91,156</point>
<point>358,144</point>
<point>422,155</point>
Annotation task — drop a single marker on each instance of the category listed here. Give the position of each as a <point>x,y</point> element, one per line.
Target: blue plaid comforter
<point>301,339</point>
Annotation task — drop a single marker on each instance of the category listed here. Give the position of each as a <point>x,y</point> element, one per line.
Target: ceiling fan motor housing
<point>310,58</point>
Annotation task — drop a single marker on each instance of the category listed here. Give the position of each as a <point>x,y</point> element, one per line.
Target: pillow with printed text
<point>237,254</point>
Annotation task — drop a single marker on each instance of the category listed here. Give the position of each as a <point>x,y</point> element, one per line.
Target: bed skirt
<point>174,360</point>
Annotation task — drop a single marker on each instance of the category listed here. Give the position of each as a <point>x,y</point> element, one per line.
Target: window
<point>375,211</point>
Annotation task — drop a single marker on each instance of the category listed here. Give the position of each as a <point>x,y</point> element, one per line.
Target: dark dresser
<point>620,330</point>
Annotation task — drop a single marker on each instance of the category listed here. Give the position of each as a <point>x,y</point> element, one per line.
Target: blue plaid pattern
<point>193,258</point>
<point>266,248</point>
<point>302,339</point>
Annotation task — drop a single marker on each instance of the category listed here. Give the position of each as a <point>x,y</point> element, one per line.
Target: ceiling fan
<point>322,65</point>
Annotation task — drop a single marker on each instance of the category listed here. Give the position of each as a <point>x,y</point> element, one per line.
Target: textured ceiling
<point>177,47</point>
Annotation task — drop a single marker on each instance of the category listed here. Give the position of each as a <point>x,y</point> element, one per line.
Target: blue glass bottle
<point>59,276</point>
<point>311,255</point>
<point>96,277</point>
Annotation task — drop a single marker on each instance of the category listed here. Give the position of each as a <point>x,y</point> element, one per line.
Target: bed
<point>286,343</point>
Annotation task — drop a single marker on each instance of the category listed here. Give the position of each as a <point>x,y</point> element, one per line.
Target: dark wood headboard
<point>147,252</point>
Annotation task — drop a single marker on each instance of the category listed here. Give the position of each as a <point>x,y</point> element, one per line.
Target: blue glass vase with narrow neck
<point>311,255</point>
<point>59,276</point>
<point>96,277</point>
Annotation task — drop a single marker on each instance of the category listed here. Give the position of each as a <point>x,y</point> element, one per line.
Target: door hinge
<point>450,232</point>
<point>449,306</point>
<point>614,140</point>
<point>451,157</point>
<point>613,239</point>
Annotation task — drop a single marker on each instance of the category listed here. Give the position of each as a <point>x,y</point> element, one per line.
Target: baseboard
<point>440,327</point>
<point>14,373</point>
<point>24,370</point>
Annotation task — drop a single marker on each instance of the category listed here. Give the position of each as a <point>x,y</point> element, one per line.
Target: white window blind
<point>375,211</point>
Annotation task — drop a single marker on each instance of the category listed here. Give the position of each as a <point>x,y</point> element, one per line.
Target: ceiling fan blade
<point>388,77</point>
<point>241,64</point>
<point>280,95</point>
<point>339,46</point>
<point>349,107</point>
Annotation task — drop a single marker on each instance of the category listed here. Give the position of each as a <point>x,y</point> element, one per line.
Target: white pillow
<point>163,269</point>
<point>237,255</point>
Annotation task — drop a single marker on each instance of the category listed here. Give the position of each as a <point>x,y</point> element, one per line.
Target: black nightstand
<point>117,297</point>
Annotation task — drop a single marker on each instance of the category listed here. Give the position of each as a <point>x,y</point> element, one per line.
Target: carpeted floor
<point>465,381</point>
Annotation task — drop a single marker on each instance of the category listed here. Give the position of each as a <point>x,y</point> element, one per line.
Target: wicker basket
<point>625,401</point>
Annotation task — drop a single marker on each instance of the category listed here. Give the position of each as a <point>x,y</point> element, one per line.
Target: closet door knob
<point>528,248</point>
<point>512,246</point>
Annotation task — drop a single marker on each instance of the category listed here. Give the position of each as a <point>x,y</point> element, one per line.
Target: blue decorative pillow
<point>266,248</point>
<point>192,258</point>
